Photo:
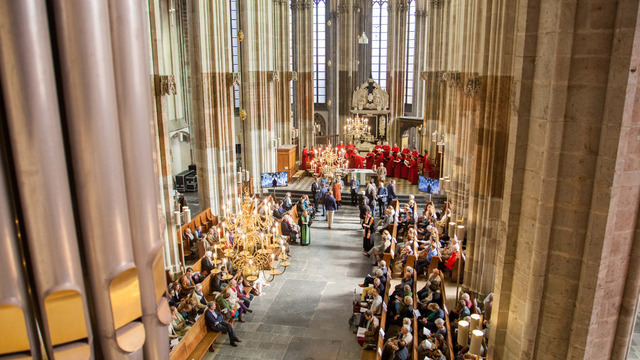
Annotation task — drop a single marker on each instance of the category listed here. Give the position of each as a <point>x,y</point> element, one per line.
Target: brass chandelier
<point>358,128</point>
<point>330,162</point>
<point>250,242</point>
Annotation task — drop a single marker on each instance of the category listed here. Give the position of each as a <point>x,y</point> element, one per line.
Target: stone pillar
<point>345,31</point>
<point>282,88</point>
<point>420,62</point>
<point>212,104</point>
<point>303,65</point>
<point>333,51</point>
<point>259,77</point>
<point>163,87</point>
<point>396,64</point>
<point>567,278</point>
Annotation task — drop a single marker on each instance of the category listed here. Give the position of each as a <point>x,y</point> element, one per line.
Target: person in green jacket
<point>304,228</point>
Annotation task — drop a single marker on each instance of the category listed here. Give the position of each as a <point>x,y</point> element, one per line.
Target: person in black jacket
<point>391,192</point>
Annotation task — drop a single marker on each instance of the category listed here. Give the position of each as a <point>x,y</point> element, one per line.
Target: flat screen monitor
<point>429,185</point>
<point>277,179</point>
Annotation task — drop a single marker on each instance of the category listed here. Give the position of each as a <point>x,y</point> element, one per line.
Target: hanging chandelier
<point>358,128</point>
<point>329,162</point>
<point>250,242</point>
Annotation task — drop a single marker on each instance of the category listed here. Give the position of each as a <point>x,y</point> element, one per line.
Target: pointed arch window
<point>379,29</point>
<point>319,51</point>
<point>411,47</point>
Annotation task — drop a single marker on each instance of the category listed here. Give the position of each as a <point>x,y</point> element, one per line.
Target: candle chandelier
<point>251,243</point>
<point>329,162</point>
<point>358,128</point>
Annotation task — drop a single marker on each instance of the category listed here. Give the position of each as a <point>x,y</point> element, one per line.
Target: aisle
<point>305,312</point>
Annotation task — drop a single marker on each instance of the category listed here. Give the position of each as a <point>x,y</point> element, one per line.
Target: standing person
<point>404,173</point>
<point>364,208</point>
<point>337,191</point>
<point>397,166</point>
<point>305,236</point>
<point>355,184</point>
<point>382,172</point>
<point>382,198</point>
<point>367,226</point>
<point>215,322</point>
<point>370,156</point>
<point>331,206</point>
<point>391,192</point>
<point>324,190</point>
<point>371,196</point>
<point>413,171</point>
<point>305,158</point>
<point>315,193</point>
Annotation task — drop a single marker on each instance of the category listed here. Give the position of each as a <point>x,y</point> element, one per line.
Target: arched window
<point>233,6</point>
<point>411,46</point>
<point>379,42</point>
<point>319,51</point>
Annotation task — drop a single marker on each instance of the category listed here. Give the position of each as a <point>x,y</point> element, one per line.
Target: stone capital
<point>437,4</point>
<point>422,13</point>
<point>166,85</point>
<point>274,76</point>
<point>293,76</point>
<point>233,79</point>
<point>472,86</point>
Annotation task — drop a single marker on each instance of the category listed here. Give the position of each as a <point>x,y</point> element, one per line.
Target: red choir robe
<point>379,160</point>
<point>397,167</point>
<point>386,149</point>
<point>405,151</point>
<point>359,162</point>
<point>395,149</point>
<point>428,168</point>
<point>389,166</point>
<point>340,147</point>
<point>312,154</point>
<point>370,160</point>
<point>351,148</point>
<point>413,172</point>
<point>404,173</point>
<point>305,159</point>
<point>415,153</point>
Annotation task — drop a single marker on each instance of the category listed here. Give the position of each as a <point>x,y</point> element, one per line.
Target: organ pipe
<point>41,172</point>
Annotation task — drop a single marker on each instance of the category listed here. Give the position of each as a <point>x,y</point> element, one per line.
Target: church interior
<point>320,179</point>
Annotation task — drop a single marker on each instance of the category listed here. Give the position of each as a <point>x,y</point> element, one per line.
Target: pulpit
<point>287,159</point>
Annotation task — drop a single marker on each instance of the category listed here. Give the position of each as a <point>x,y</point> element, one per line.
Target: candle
<point>476,342</point>
<point>463,333</point>
<point>476,322</point>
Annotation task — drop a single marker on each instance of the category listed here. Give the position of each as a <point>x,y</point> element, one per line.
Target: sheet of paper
<point>361,331</point>
<point>416,313</point>
<point>426,331</point>
<point>382,333</point>
<point>174,342</point>
<point>363,309</point>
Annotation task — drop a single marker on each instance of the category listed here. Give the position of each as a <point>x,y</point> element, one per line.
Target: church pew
<point>413,351</point>
<point>449,354</point>
<point>389,255</point>
<point>435,261</point>
<point>458,268</point>
<point>196,343</point>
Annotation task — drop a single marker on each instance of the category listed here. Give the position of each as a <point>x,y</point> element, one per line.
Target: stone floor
<point>305,312</point>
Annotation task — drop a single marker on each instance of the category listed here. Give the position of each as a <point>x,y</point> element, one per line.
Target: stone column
<point>259,77</point>
<point>419,64</point>
<point>332,66</point>
<point>163,87</point>
<point>396,64</point>
<point>212,104</point>
<point>567,278</point>
<point>345,31</point>
<point>282,88</point>
<point>303,65</point>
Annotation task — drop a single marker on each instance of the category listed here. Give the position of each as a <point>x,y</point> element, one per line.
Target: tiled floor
<point>305,312</point>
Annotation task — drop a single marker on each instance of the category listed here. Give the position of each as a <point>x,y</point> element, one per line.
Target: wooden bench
<point>196,343</point>
<point>458,268</point>
<point>449,354</point>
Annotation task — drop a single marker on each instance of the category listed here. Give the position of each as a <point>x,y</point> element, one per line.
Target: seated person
<point>378,251</point>
<point>196,299</point>
<point>433,347</point>
<point>215,322</point>
<point>405,219</point>
<point>178,323</point>
<point>447,266</point>
<point>289,228</point>
<point>187,283</point>
<point>402,258</point>
<point>434,278</point>
<point>372,324</point>
<point>278,210</point>
<point>434,296</point>
<point>368,280</point>
<point>388,219</point>
<point>377,284</point>
<point>460,312</point>
<point>376,302</point>
<point>407,279</point>
<point>405,310</point>
<point>206,264</point>
<point>172,295</point>
<point>429,317</point>
<point>286,202</point>
<point>396,301</point>
<point>398,343</point>
<point>428,255</point>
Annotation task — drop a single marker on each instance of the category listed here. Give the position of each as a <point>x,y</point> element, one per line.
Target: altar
<point>371,102</point>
